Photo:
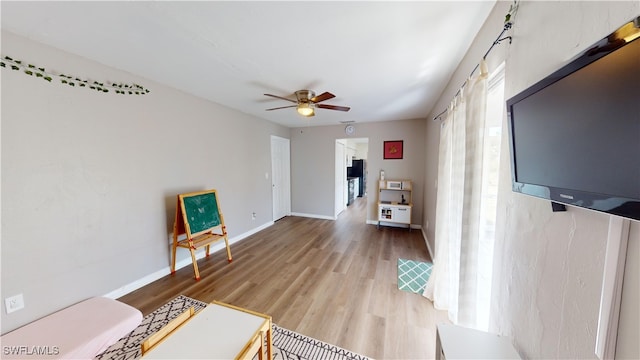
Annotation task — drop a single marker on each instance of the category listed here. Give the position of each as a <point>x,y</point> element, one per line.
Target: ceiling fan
<point>307,101</point>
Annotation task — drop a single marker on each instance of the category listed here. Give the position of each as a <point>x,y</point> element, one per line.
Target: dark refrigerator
<point>358,169</point>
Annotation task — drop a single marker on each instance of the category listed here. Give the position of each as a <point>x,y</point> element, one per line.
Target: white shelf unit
<point>394,202</point>
<point>456,342</point>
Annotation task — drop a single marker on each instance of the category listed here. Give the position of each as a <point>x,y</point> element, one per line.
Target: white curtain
<point>453,284</point>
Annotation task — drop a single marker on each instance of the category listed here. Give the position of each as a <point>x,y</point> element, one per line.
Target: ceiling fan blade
<point>322,97</point>
<point>282,107</point>
<point>333,107</point>
<point>283,98</point>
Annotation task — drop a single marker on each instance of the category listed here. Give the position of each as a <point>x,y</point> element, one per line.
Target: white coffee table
<point>219,331</point>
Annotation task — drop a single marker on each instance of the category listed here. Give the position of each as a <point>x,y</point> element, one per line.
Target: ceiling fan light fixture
<point>306,102</point>
<point>305,109</point>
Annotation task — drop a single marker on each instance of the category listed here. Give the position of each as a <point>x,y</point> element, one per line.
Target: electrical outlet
<point>14,303</point>
<point>253,216</point>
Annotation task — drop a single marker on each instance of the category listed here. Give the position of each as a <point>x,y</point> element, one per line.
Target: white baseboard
<point>426,241</point>
<point>324,217</point>
<point>124,290</point>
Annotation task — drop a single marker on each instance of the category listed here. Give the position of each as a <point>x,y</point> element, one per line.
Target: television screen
<point>575,135</point>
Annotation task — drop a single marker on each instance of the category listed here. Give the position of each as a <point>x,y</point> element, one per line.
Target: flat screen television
<point>575,135</point>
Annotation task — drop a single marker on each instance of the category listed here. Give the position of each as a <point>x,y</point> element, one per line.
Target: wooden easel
<point>198,216</point>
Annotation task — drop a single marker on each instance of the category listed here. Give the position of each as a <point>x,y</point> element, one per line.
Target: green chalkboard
<point>200,211</point>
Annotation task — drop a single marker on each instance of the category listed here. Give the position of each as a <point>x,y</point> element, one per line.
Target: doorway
<point>351,173</point>
<point>280,177</point>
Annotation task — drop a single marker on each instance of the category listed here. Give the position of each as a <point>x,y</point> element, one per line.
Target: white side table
<point>457,342</point>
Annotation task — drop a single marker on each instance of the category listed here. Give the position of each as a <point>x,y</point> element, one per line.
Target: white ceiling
<point>386,60</point>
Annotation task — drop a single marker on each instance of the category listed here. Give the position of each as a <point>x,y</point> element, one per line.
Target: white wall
<point>548,266</point>
<point>312,164</point>
<point>362,150</point>
<point>89,180</point>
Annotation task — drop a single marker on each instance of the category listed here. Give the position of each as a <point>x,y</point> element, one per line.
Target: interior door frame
<point>340,199</point>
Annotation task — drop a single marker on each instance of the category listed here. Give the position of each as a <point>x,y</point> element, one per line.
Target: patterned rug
<point>413,275</point>
<point>129,346</point>
<point>290,345</point>
<point>287,344</point>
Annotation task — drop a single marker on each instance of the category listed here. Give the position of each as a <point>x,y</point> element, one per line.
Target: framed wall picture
<point>393,149</point>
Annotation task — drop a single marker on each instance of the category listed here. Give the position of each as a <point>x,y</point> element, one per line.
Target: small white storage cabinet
<point>456,342</point>
<point>394,202</point>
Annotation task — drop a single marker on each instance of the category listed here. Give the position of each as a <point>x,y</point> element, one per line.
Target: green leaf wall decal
<point>41,72</point>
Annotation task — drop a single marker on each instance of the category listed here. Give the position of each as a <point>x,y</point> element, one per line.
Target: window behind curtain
<point>491,169</point>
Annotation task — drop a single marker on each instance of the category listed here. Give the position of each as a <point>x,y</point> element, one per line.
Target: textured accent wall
<point>548,266</point>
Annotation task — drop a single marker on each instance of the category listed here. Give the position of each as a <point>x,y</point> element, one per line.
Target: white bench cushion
<point>80,331</point>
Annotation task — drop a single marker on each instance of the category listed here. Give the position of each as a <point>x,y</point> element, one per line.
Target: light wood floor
<point>335,281</point>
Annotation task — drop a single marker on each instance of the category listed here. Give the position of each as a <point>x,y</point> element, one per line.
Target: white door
<point>280,177</point>
<point>341,178</point>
